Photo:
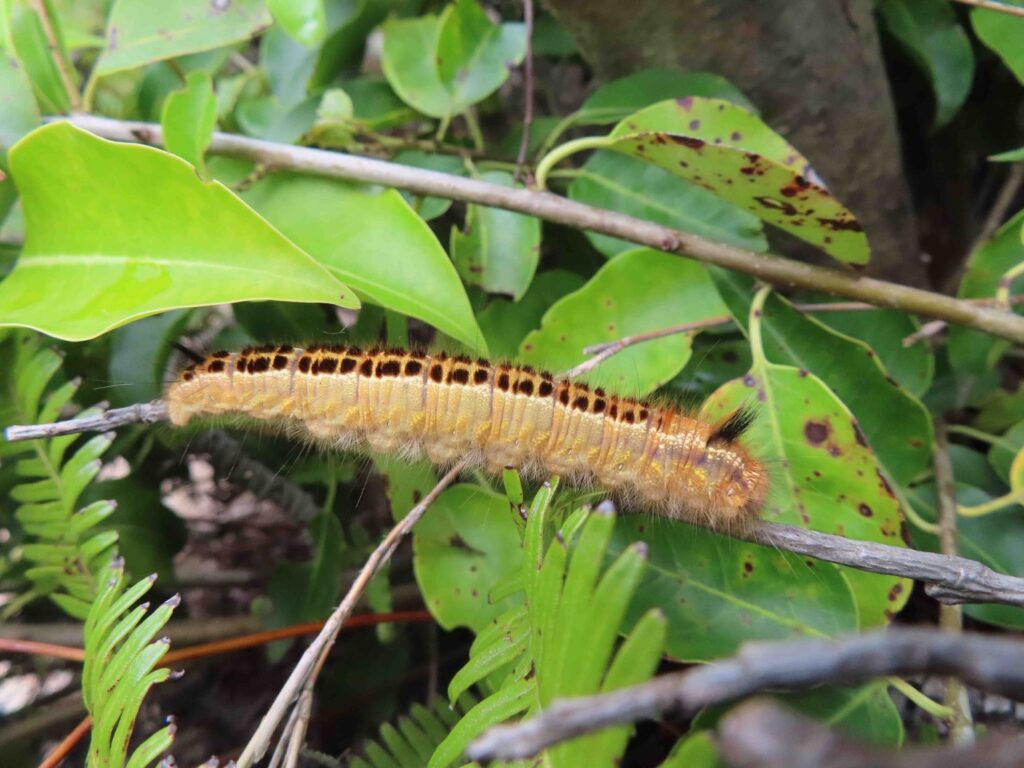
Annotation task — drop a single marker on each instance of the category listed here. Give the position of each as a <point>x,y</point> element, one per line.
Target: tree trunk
<point>813,67</point>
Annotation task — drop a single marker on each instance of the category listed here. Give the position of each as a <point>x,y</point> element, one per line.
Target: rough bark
<point>813,67</point>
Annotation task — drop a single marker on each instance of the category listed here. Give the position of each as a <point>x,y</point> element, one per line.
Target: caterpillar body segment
<point>448,408</point>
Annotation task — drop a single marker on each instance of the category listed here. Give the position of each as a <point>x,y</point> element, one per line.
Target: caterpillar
<point>450,408</point>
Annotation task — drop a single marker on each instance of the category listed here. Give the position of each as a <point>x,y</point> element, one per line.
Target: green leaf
<point>930,33</point>
<point>1002,33</point>
<point>307,591</point>
<point>626,185</point>
<point>884,330</point>
<point>827,478</point>
<point>1010,156</point>
<point>105,244</point>
<point>865,713</point>
<point>304,20</point>
<point>718,593</point>
<point>465,544</point>
<point>442,65</point>
<point>622,97</point>
<point>506,323</point>
<point>498,250</point>
<point>697,750</point>
<point>474,55</point>
<point>897,426</point>
<point>28,41</point>
<point>376,105</point>
<point>731,152</point>
<point>714,361</point>
<point>496,708</point>
<point>188,120</point>
<point>371,239</point>
<point>974,351</point>
<point>18,111</point>
<point>140,32</point>
<point>409,62</point>
<point>640,290</point>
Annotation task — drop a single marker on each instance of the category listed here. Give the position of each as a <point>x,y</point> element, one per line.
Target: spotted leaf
<point>731,152</point>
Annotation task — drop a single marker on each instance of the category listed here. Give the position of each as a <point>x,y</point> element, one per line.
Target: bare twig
<point>524,141</point>
<point>987,662</point>
<point>947,579</point>
<point>992,5</point>
<point>929,330</point>
<point>762,734</point>
<point>140,413</point>
<point>312,660</point>
<point>951,617</point>
<point>782,272</point>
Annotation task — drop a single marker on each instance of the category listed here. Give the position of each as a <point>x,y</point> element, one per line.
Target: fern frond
<point>120,667</point>
<point>564,640</point>
<point>61,554</point>
<point>412,739</point>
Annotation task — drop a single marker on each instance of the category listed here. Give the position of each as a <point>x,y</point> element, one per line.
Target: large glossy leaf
<point>115,232</point>
<point>464,545</point>
<point>931,34</point>
<point>622,97</point>
<point>1002,33</point>
<point>620,183</point>
<point>718,593</point>
<point>896,425</point>
<point>140,31</point>
<point>497,250</point>
<point>974,351</point>
<point>731,152</point>
<point>348,26</point>
<point>640,290</point>
<point>371,239</point>
<point>440,65</point>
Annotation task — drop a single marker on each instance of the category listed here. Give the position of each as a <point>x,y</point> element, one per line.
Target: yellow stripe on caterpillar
<point>449,408</point>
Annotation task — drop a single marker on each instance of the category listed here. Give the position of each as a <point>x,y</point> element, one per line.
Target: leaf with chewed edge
<point>731,152</point>
<point>115,232</point>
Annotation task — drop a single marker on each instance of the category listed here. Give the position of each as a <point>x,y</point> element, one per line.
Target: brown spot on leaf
<point>865,510</point>
<point>816,432</point>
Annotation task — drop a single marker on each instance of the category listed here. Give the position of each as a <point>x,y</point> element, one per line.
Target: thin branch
<point>762,734</point>
<point>312,660</point>
<point>947,579</point>
<point>140,413</point>
<point>988,662</point>
<point>524,141</point>
<point>951,618</point>
<point>782,272</point>
<point>991,5</point>
<point>56,53</point>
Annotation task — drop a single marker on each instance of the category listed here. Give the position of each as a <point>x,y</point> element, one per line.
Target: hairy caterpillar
<point>501,415</point>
